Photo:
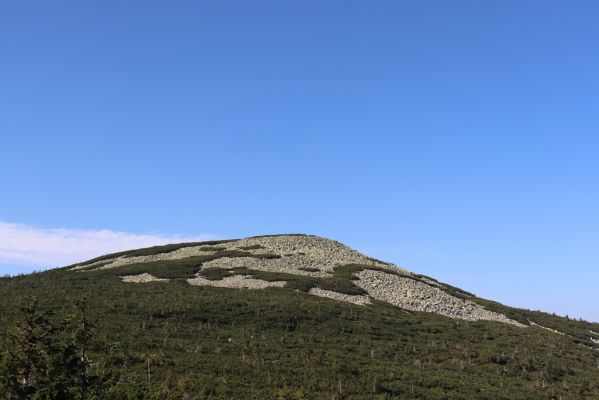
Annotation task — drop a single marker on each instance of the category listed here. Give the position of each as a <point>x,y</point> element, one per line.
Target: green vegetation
<point>253,247</point>
<point>577,330</point>
<point>308,269</point>
<point>212,248</point>
<point>44,360</point>
<point>170,340</point>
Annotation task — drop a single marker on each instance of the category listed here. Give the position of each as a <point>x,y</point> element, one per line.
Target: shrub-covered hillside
<point>174,340</point>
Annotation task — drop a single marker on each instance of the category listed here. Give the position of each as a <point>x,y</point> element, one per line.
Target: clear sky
<point>459,139</point>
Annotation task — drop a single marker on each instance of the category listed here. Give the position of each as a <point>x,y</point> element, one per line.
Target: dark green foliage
<point>216,274</point>
<point>578,331</point>
<point>308,269</point>
<point>252,247</point>
<point>81,340</point>
<point>176,341</point>
<point>266,256</point>
<point>41,361</point>
<point>238,253</point>
<point>341,286</point>
<point>212,248</point>
<point>348,271</point>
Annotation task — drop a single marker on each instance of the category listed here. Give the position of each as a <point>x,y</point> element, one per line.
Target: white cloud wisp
<point>26,245</point>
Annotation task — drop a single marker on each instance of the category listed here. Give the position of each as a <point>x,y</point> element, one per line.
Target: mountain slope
<point>296,316</point>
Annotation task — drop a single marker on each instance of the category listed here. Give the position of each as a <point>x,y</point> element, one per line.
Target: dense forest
<point>88,335</point>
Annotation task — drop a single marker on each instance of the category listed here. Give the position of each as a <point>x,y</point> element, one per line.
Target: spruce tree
<point>40,363</point>
<point>81,340</point>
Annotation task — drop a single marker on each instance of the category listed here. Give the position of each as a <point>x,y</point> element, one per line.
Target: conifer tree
<point>40,364</point>
<point>81,340</point>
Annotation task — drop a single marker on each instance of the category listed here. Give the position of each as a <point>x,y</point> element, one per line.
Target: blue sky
<point>457,139</point>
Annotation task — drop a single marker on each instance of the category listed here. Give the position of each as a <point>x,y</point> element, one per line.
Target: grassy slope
<point>220,344</point>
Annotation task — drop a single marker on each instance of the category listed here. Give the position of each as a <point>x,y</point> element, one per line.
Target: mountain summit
<point>331,269</point>
<point>303,317</point>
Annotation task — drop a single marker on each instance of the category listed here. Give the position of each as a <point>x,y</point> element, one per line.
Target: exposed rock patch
<point>354,299</point>
<point>141,278</point>
<point>413,295</point>
<point>236,282</point>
